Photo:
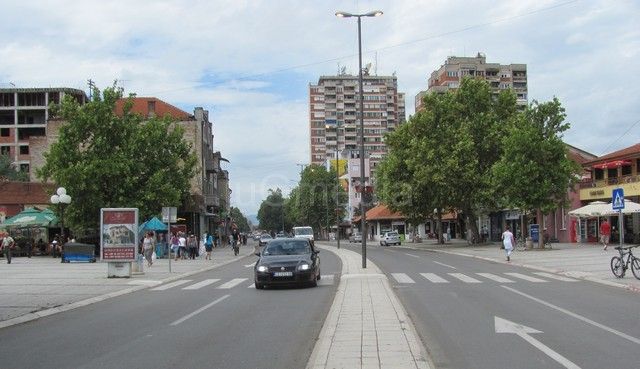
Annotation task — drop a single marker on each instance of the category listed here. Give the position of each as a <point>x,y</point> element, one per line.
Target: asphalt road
<point>470,313</point>
<point>214,319</point>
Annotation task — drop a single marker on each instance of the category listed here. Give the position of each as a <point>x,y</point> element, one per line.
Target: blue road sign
<point>617,199</point>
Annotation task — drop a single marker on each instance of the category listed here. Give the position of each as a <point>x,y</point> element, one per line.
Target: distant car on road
<point>390,238</point>
<point>303,232</point>
<point>355,238</point>
<point>264,239</point>
<point>281,235</point>
<point>287,261</point>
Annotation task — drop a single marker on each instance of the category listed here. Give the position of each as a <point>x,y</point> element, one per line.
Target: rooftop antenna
<point>375,66</point>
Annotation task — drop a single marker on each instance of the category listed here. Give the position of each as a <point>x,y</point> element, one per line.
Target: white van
<point>303,232</point>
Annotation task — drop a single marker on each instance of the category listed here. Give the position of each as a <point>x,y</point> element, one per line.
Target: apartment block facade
<point>334,116</point>
<point>24,114</point>
<point>500,77</point>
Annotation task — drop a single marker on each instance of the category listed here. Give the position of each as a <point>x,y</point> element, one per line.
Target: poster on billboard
<point>119,234</point>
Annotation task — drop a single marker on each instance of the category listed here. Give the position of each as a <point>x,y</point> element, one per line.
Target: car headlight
<point>262,269</point>
<point>303,267</point>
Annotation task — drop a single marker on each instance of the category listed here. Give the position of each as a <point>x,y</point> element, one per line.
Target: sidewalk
<point>367,326</point>
<point>583,261</point>
<point>31,288</point>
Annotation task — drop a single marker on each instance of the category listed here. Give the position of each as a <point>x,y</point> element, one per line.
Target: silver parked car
<point>390,238</point>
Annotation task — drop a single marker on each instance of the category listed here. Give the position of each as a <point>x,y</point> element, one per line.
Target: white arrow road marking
<point>199,310</point>
<point>448,266</point>
<point>577,316</point>
<point>199,285</point>
<point>232,283</point>
<point>402,278</point>
<point>171,285</point>
<point>506,326</point>
<point>249,265</point>
<point>556,277</point>
<point>432,277</point>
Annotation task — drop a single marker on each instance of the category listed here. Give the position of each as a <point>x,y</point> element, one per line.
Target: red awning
<point>612,164</point>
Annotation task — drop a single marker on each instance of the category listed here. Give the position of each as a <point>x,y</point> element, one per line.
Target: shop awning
<point>612,164</point>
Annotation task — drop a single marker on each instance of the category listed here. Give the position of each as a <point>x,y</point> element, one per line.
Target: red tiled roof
<point>161,108</point>
<point>25,193</point>
<point>625,153</point>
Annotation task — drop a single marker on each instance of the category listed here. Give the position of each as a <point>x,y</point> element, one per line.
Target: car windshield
<point>392,234</point>
<point>288,247</point>
<point>303,231</point>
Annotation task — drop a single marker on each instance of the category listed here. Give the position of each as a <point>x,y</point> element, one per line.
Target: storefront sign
<point>119,234</point>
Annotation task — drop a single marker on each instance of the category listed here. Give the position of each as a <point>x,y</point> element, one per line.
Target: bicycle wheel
<point>635,267</point>
<point>617,267</point>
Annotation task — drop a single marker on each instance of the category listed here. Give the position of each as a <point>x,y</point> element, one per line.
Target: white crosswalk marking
<point>199,285</point>
<point>402,278</point>
<point>526,277</point>
<point>557,277</point>
<point>434,278</point>
<point>171,285</point>
<point>464,278</point>
<point>325,280</point>
<point>496,278</point>
<point>232,283</point>
<point>249,265</point>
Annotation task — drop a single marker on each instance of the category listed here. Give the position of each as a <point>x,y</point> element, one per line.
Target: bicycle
<point>619,266</point>
<point>236,248</point>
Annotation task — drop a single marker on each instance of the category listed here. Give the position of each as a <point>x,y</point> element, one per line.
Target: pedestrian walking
<point>192,245</point>
<point>208,246</point>
<point>7,245</point>
<point>183,246</point>
<point>175,246</point>
<point>148,245</point>
<point>508,241</point>
<point>605,233</point>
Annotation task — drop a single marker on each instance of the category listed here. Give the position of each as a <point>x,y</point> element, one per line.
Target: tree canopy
<point>9,172</point>
<point>239,219</point>
<point>271,212</point>
<point>104,159</point>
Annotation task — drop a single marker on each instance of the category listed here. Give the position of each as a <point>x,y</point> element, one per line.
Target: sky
<point>250,63</point>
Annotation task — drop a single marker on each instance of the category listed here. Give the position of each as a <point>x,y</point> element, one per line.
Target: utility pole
<point>301,168</point>
<point>92,85</point>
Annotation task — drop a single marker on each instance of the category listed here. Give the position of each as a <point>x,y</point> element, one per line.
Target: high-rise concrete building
<point>24,114</point>
<point>500,77</point>
<point>334,116</point>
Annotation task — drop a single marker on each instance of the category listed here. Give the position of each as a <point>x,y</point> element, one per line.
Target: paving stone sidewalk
<point>34,287</point>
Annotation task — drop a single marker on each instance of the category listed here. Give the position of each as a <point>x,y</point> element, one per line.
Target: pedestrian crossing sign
<point>617,198</point>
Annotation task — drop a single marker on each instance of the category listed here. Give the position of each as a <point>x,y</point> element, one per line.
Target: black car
<point>287,261</point>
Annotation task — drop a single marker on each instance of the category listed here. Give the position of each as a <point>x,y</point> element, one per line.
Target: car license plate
<point>282,274</point>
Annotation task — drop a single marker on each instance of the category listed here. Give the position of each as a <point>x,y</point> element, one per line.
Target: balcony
<point>603,188</point>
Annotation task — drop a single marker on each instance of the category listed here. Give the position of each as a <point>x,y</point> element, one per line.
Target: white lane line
<point>496,278</point>
<point>414,256</point>
<point>251,285</point>
<point>232,283</point>
<point>199,310</point>
<point>465,278</point>
<point>526,277</point>
<point>326,280</point>
<point>199,285</point>
<point>171,285</point>
<point>402,278</point>
<point>434,278</point>
<point>448,266</point>
<point>555,276</point>
<point>577,316</point>
<point>249,265</point>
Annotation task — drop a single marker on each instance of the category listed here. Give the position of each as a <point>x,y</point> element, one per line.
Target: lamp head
<point>341,14</point>
<point>55,199</point>
<point>61,191</point>
<point>375,13</point>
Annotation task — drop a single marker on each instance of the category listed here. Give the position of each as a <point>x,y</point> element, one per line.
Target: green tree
<point>240,220</point>
<point>535,171</point>
<point>109,160</point>
<point>9,172</point>
<point>271,212</point>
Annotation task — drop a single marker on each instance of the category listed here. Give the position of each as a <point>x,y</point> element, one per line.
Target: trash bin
<point>75,251</point>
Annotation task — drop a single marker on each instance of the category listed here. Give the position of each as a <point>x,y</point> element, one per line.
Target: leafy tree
<point>8,170</point>
<point>239,219</point>
<point>107,160</point>
<point>535,171</point>
<point>271,212</point>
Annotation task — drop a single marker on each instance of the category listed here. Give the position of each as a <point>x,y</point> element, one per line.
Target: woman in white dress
<point>508,241</point>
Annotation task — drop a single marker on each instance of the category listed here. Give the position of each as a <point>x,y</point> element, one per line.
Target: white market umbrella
<point>630,207</point>
<point>594,209</point>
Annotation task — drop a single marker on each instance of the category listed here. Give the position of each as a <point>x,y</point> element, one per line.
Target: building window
<point>5,150</point>
<point>626,170</point>
<point>4,132</point>
<point>24,150</point>
<point>598,174</point>
<point>24,168</point>
<point>612,173</point>
<point>151,108</point>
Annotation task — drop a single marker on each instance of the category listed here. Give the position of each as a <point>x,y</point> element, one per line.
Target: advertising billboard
<point>118,234</point>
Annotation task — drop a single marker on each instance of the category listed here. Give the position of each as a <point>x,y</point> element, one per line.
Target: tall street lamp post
<point>363,225</point>
<point>61,199</point>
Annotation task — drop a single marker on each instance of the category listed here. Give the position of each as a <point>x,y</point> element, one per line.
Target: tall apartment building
<point>499,76</point>
<point>334,115</point>
<point>24,114</point>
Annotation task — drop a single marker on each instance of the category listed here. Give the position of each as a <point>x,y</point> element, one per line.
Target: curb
<point>92,300</point>
<point>565,273</point>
